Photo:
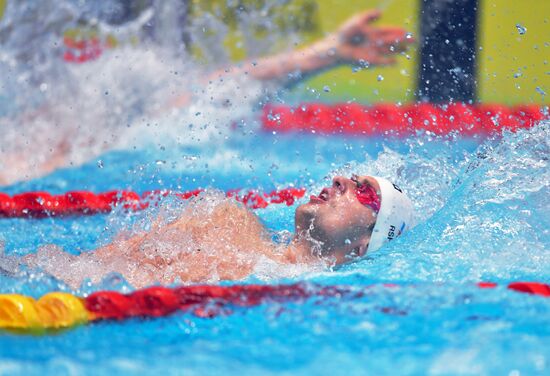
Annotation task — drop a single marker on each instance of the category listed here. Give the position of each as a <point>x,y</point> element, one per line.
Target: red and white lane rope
<point>59,310</point>
<point>400,120</point>
<point>44,204</point>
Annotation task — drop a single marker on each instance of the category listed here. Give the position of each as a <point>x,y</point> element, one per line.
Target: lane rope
<point>385,119</point>
<point>44,204</point>
<point>81,50</point>
<point>58,310</point>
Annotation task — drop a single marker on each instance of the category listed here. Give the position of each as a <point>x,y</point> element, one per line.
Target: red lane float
<point>43,204</point>
<point>82,50</point>
<point>203,301</point>
<point>535,288</point>
<point>397,120</point>
<point>58,310</point>
<point>210,301</point>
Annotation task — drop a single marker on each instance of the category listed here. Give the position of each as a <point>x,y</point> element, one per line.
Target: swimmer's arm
<point>216,244</point>
<point>356,41</point>
<point>291,65</point>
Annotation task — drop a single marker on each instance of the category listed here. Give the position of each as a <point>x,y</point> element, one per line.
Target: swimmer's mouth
<point>323,197</point>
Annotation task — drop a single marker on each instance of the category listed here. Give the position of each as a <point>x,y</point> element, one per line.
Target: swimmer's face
<point>341,218</point>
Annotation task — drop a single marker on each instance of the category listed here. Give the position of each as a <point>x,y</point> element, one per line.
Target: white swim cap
<point>394,217</point>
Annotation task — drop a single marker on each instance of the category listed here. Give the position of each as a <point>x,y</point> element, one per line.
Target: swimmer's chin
<point>308,209</point>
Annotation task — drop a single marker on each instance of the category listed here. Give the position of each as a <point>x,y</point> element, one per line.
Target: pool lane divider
<point>82,50</point>
<point>59,310</point>
<point>44,204</point>
<point>388,119</point>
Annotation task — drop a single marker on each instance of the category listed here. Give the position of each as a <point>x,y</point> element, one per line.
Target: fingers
<point>393,31</point>
<point>369,16</point>
<point>359,40</point>
<point>356,22</point>
<point>391,34</point>
<point>391,39</point>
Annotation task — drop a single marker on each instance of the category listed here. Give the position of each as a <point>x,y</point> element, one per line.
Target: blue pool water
<point>483,216</point>
<point>482,205</point>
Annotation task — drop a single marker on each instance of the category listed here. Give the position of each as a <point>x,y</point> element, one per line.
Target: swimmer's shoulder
<point>226,214</point>
<point>234,212</point>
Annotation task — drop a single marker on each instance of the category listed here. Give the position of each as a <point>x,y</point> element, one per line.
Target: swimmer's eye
<point>366,194</point>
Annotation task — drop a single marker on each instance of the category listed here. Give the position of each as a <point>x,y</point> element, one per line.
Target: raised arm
<point>357,41</point>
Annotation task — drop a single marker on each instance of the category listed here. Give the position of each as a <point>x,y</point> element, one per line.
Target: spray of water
<point>55,114</point>
<point>485,218</point>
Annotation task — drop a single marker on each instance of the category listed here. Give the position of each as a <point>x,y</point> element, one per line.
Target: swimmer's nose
<point>342,184</point>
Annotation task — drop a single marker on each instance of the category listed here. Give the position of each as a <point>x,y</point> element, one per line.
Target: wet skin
<point>225,243</point>
<point>335,222</point>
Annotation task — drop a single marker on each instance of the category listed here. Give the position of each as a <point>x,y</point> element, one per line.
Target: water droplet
<point>364,63</point>
<point>100,163</point>
<point>408,36</point>
<point>326,89</point>
<point>43,87</point>
<point>540,91</point>
<point>380,77</point>
<point>160,162</point>
<point>347,241</point>
<point>521,29</point>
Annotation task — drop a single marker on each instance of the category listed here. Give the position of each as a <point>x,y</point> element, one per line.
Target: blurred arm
<point>356,41</point>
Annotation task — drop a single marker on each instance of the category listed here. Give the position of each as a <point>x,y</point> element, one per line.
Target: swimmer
<point>357,41</point>
<point>346,221</point>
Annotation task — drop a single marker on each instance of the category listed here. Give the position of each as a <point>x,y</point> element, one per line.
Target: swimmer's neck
<point>299,251</point>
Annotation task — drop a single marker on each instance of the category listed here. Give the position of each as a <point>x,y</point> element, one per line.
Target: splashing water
<point>521,29</point>
<point>465,201</point>
<point>482,214</point>
<point>121,100</point>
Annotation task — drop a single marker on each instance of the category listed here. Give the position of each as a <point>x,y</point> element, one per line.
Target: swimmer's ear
<point>363,248</point>
<point>356,251</point>
<point>360,250</point>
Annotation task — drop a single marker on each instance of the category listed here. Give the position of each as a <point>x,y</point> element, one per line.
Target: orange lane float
<point>44,204</point>
<point>57,310</point>
<point>401,120</point>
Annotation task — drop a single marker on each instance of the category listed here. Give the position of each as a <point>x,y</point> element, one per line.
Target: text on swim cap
<point>391,233</point>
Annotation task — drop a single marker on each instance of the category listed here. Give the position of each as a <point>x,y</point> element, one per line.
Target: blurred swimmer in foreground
<point>70,133</point>
<point>215,240</point>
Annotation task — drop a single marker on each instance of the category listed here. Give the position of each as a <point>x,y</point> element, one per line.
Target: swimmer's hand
<point>357,40</point>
